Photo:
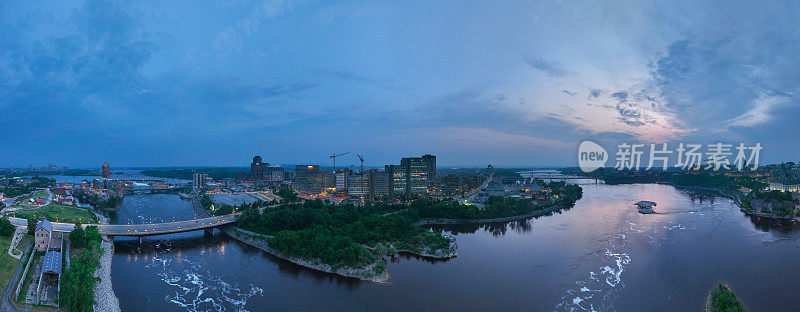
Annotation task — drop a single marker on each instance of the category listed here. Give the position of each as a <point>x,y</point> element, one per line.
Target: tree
<point>77,283</point>
<point>32,225</point>
<point>6,228</point>
<point>78,236</point>
<point>287,194</point>
<point>93,237</point>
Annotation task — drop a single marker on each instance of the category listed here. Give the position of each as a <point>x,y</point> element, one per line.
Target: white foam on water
<point>197,289</point>
<point>675,226</point>
<point>615,275</point>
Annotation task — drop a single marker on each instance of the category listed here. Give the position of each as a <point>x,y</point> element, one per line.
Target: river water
<point>600,255</point>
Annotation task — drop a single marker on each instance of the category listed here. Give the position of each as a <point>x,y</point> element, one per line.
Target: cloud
<point>552,69</point>
<point>595,93</point>
<point>621,96</point>
<point>570,93</point>
<point>233,38</point>
<point>760,113</point>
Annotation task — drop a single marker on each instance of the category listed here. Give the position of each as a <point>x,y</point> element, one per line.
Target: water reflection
<point>783,226</point>
<point>494,228</point>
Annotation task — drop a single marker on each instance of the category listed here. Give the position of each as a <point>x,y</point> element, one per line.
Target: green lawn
<point>7,263</point>
<point>59,213</point>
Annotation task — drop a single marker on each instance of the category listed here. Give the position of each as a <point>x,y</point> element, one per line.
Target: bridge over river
<point>147,229</point>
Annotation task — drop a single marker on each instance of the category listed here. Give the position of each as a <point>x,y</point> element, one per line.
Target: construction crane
<point>334,160</point>
<point>361,158</point>
<point>363,175</point>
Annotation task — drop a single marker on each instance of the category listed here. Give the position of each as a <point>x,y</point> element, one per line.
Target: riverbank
<point>104,297</point>
<point>737,200</point>
<point>534,213</point>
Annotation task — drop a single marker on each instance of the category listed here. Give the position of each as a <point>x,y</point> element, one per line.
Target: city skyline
<point>159,84</point>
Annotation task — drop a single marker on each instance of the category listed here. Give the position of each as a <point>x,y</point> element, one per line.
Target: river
<point>600,255</point>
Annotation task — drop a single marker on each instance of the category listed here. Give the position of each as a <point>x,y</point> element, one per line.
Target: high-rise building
<point>309,179</point>
<point>274,174</point>
<point>341,177</point>
<point>416,171</point>
<point>430,161</point>
<point>399,179</point>
<point>199,182</point>
<point>106,171</point>
<point>257,168</point>
<point>358,185</point>
<point>381,183</point>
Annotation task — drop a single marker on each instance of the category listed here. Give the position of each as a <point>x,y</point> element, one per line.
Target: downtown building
<point>199,182</point>
<point>309,179</point>
<point>261,171</point>
<point>411,179</point>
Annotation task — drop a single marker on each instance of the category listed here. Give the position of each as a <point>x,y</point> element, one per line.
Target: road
<point>144,229</point>
<point>58,227</point>
<point>165,228</point>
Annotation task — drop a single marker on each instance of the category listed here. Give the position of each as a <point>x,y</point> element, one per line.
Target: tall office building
<point>309,179</point>
<point>358,185</point>
<point>341,177</point>
<point>106,171</point>
<point>274,174</point>
<point>416,171</point>
<point>381,183</point>
<point>199,182</point>
<point>257,168</point>
<point>430,161</point>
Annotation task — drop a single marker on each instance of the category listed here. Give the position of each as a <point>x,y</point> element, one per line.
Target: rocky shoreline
<point>438,254</point>
<point>493,220</point>
<point>104,297</point>
<point>259,241</point>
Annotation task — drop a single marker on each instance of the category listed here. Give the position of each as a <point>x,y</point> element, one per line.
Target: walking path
<point>18,234</point>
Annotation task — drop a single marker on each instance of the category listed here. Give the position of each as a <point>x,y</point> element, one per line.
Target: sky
<point>212,83</point>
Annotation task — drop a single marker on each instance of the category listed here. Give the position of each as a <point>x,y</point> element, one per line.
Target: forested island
<point>722,299</point>
<point>351,240</point>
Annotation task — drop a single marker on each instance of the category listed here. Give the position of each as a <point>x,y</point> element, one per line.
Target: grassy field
<point>59,213</point>
<point>7,263</point>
